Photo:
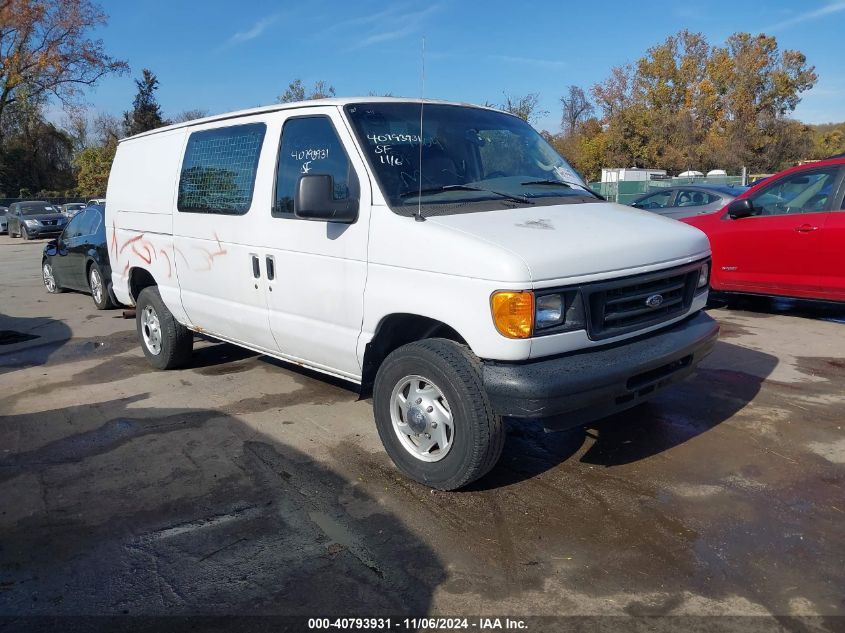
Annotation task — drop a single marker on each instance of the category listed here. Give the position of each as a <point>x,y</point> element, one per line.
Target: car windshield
<point>36,208</point>
<point>469,155</point>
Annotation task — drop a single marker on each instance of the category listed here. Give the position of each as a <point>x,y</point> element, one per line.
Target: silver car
<point>683,201</point>
<point>72,208</point>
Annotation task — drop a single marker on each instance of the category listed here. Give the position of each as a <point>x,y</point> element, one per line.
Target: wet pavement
<point>241,485</point>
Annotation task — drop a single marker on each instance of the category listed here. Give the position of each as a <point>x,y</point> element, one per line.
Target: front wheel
<point>24,233</point>
<point>49,277</point>
<point>433,415</point>
<point>167,344</point>
<point>99,289</point>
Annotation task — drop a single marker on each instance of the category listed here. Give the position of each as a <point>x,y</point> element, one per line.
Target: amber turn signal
<point>513,313</point>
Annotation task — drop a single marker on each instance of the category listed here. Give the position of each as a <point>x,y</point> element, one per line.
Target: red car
<point>784,236</point>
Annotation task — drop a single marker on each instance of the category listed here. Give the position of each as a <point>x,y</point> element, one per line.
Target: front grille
<point>630,304</point>
<point>49,222</point>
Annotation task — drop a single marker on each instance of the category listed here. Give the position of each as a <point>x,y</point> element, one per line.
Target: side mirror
<point>51,248</point>
<point>314,200</point>
<point>740,209</point>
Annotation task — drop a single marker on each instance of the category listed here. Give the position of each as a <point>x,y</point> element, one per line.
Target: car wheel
<point>49,278</point>
<point>167,344</point>
<point>99,289</point>
<point>433,415</point>
<point>24,233</point>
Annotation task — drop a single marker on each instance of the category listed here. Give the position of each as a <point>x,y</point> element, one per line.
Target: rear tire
<point>450,373</point>
<point>167,344</point>
<point>99,289</point>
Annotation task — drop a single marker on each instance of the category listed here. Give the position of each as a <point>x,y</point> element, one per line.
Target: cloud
<point>257,29</point>
<point>404,20</point>
<point>529,61</point>
<point>828,9</point>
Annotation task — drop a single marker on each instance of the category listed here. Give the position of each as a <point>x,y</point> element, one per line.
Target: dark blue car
<point>79,258</point>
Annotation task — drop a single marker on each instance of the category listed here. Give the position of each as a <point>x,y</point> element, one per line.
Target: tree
<point>108,128</point>
<point>94,165</point>
<point>76,126</point>
<point>828,140</point>
<point>576,108</point>
<point>296,91</point>
<point>687,104</point>
<point>36,155</point>
<point>526,107</point>
<point>756,88</point>
<point>322,90</point>
<point>190,115</point>
<point>46,51</point>
<point>146,113</point>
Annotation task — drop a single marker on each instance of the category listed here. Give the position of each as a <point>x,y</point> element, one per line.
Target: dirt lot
<point>243,486</point>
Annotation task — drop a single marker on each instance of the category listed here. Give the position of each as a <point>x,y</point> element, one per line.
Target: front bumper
<point>44,231</point>
<point>594,383</point>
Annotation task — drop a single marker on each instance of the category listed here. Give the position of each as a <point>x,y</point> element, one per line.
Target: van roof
<point>333,101</point>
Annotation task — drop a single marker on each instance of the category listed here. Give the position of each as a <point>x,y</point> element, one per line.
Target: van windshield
<point>469,155</point>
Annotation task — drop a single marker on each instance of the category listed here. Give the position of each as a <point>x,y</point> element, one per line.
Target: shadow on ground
<point>642,432</point>
<point>30,341</point>
<point>766,306</point>
<point>179,511</point>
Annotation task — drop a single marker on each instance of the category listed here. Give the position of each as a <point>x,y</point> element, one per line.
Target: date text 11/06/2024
<point>417,624</point>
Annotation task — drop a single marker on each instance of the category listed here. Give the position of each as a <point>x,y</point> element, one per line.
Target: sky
<point>220,55</point>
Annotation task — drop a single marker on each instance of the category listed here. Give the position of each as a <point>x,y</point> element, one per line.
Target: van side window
<point>310,145</point>
<point>218,171</point>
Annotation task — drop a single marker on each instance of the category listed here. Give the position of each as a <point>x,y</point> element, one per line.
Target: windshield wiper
<point>562,183</point>
<point>509,196</point>
<point>547,182</point>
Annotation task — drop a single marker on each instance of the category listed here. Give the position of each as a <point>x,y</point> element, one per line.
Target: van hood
<point>581,239</point>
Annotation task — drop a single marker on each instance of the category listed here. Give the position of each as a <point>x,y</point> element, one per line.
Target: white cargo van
<point>459,269</point>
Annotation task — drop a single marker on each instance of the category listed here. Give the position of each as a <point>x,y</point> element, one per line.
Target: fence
<point>627,191</point>
<point>5,202</point>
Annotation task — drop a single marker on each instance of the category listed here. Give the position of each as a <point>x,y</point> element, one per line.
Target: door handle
<point>271,268</point>
<point>807,228</point>
<point>256,267</point>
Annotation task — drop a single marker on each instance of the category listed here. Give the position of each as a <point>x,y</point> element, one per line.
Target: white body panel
<point>334,283</point>
<point>214,260</point>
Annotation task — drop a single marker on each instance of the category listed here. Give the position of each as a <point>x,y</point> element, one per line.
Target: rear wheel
<point>99,289</point>
<point>167,344</point>
<point>49,278</point>
<point>433,415</point>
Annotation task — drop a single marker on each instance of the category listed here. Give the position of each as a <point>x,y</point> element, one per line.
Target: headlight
<point>31,222</point>
<point>703,276</point>
<point>549,311</point>
<point>513,313</point>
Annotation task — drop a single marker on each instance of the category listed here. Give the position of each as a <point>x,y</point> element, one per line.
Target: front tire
<point>24,233</point>
<point>167,344</point>
<point>49,278</point>
<point>99,289</point>
<point>433,415</point>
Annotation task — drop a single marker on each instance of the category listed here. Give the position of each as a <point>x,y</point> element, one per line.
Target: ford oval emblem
<point>654,301</point>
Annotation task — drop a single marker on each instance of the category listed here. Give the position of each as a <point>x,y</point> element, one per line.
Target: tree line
<point>684,104</point>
